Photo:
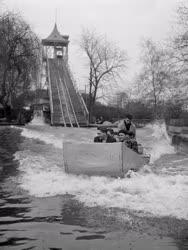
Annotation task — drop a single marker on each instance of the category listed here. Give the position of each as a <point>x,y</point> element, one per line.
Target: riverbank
<point>178,131</point>
<point>12,123</point>
<point>179,137</point>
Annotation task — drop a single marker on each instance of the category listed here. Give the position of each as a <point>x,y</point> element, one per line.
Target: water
<point>42,207</point>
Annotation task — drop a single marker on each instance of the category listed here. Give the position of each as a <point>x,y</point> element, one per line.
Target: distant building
<point>120,100</point>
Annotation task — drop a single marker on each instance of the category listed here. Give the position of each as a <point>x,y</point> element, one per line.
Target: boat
<point>101,159</point>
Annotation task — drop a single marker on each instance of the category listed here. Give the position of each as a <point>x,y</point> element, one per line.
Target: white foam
<point>43,136</point>
<point>37,129</point>
<point>180,160</point>
<point>144,191</point>
<point>149,193</point>
<point>160,142</point>
<point>158,145</point>
<point>38,119</point>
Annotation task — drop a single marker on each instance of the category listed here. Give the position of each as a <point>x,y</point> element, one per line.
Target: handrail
<point>50,91</point>
<point>65,99</point>
<point>85,107</point>
<point>78,92</point>
<point>60,102</point>
<point>71,103</point>
<point>76,88</point>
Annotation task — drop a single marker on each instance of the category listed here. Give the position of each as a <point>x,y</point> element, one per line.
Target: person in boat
<point>128,126</point>
<point>105,135</point>
<point>110,136</point>
<point>101,136</point>
<point>100,120</point>
<point>122,136</point>
<point>130,141</point>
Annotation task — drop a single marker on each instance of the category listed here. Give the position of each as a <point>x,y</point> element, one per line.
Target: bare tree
<point>105,62</point>
<point>180,40</point>
<point>178,45</point>
<point>19,54</point>
<point>182,12</point>
<point>156,74</point>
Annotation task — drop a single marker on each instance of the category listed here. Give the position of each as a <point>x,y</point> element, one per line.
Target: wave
<point>38,119</point>
<point>157,143</point>
<point>148,193</point>
<point>160,142</point>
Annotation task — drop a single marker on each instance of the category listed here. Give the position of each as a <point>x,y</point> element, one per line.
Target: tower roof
<point>55,38</point>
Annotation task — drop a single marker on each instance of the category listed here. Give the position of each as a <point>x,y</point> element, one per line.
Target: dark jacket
<point>98,139</point>
<point>110,139</point>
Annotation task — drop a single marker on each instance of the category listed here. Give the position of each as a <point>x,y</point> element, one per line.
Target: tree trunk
<point>90,108</point>
<point>3,89</point>
<point>90,114</point>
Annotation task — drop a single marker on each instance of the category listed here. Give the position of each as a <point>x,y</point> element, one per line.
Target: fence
<point>178,122</point>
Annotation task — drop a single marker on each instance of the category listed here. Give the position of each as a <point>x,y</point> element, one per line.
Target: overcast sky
<point>124,22</point>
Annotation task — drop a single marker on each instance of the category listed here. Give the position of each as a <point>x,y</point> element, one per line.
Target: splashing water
<point>42,135</point>
<point>42,175</point>
<point>148,193</point>
<point>38,119</point>
<point>160,143</point>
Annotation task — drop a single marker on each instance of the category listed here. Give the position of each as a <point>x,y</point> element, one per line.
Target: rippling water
<point>42,207</point>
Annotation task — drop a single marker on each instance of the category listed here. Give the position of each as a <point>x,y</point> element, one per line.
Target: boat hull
<point>103,159</point>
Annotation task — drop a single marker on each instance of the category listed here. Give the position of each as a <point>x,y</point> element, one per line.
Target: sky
<point>124,22</point>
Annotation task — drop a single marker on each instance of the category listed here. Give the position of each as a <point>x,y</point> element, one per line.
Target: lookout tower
<point>56,45</point>
<point>67,107</point>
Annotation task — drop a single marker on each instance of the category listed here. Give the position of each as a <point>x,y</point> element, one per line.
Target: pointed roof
<point>55,38</point>
<point>55,35</point>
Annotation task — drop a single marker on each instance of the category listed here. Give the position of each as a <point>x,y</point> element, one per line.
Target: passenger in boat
<point>101,136</point>
<point>100,120</point>
<point>122,136</point>
<point>128,126</point>
<point>130,141</point>
<point>105,135</point>
<point>110,136</point>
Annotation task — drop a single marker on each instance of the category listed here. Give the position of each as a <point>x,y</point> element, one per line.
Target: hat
<point>110,130</point>
<point>129,116</point>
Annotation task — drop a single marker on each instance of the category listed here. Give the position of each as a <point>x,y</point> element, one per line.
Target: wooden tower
<point>66,104</point>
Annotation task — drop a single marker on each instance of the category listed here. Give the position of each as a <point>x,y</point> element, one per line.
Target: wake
<point>42,176</point>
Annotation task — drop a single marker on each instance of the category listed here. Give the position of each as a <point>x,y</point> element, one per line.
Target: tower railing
<point>59,96</point>
<point>68,113</point>
<point>71,104</point>
<point>60,103</point>
<point>83,105</point>
<point>50,91</point>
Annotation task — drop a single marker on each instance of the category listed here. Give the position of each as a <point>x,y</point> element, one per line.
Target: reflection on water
<point>65,222</point>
